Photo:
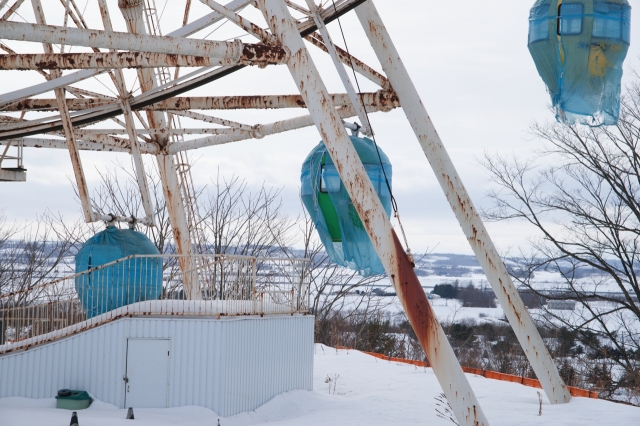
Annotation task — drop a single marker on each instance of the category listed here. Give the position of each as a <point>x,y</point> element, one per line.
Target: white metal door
<point>147,377</point>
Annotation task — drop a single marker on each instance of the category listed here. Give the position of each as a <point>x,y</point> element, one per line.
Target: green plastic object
<point>78,400</point>
<point>329,205</point>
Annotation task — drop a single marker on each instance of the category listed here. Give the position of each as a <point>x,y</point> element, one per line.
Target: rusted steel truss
<point>147,111</point>
<point>381,100</point>
<point>75,61</point>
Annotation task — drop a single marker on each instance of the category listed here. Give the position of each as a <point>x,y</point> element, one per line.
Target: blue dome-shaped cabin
<point>578,48</point>
<point>123,283</point>
<point>325,198</point>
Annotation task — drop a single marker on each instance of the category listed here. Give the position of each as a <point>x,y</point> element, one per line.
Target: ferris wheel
<point>104,76</point>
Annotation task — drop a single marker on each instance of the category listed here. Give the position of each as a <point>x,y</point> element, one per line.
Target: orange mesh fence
<point>486,373</point>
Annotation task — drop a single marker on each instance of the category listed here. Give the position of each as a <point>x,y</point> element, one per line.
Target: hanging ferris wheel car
<point>578,48</point>
<point>324,196</point>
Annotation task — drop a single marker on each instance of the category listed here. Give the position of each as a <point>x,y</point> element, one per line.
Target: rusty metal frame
<point>383,100</point>
<point>374,218</point>
<point>236,51</point>
<point>463,207</point>
<point>357,103</point>
<point>71,61</point>
<point>81,182</point>
<point>132,11</point>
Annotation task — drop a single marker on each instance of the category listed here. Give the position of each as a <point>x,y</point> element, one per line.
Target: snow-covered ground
<point>368,392</point>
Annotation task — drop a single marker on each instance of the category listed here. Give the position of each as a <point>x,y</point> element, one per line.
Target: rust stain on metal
<point>252,54</point>
<point>413,298</point>
<point>383,100</point>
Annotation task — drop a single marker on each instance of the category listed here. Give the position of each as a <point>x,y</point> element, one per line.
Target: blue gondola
<point>578,48</point>
<point>334,215</point>
<point>130,281</point>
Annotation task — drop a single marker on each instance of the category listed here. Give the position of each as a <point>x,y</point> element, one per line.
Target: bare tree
<point>118,193</point>
<point>585,207</point>
<point>239,221</point>
<point>31,255</point>
<point>341,299</point>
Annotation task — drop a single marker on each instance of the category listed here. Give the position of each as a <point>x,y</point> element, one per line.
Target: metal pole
<point>367,203</point>
<point>346,82</point>
<point>132,11</point>
<point>119,81</point>
<point>82,145</point>
<point>254,288</point>
<point>383,100</point>
<point>241,22</point>
<point>81,182</point>
<point>462,206</point>
<point>233,50</point>
<point>352,62</point>
<point>259,131</point>
<point>104,60</point>
<point>185,31</point>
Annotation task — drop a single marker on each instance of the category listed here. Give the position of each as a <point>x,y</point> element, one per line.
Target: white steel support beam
<point>12,9</point>
<point>176,210</point>
<point>258,131</point>
<point>235,51</point>
<point>210,119</point>
<point>374,218</point>
<point>462,206</point>
<point>378,101</point>
<point>161,132</point>
<point>69,61</point>
<point>304,27</point>
<point>68,79</point>
<point>346,81</point>
<point>132,11</point>
<point>208,20</point>
<point>37,89</point>
<point>351,61</point>
<point>141,175</point>
<point>61,144</point>
<point>81,182</point>
<point>241,22</point>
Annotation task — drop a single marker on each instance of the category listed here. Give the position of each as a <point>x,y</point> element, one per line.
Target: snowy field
<point>368,392</point>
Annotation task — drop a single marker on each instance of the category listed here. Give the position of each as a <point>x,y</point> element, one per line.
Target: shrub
<point>446,291</point>
<point>476,298</point>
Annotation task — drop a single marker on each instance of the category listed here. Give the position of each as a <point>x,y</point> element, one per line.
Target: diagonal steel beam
<point>62,144</point>
<point>462,206</point>
<point>374,218</point>
<point>78,76</point>
<point>381,100</point>
<point>242,22</point>
<point>259,131</point>
<point>70,61</point>
<point>351,61</point>
<point>81,182</point>
<point>132,11</point>
<point>234,50</point>
<point>186,84</point>
<point>342,72</point>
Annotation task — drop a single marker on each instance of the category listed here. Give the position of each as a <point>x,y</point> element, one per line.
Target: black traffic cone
<point>130,414</point>
<point>74,419</point>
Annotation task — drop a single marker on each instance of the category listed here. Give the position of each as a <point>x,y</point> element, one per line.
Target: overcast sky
<point>468,60</point>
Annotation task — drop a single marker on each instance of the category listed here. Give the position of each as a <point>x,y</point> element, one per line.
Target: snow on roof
<point>368,392</point>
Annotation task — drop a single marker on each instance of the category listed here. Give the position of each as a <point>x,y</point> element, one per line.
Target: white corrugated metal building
<point>228,364</point>
<point>245,340</point>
